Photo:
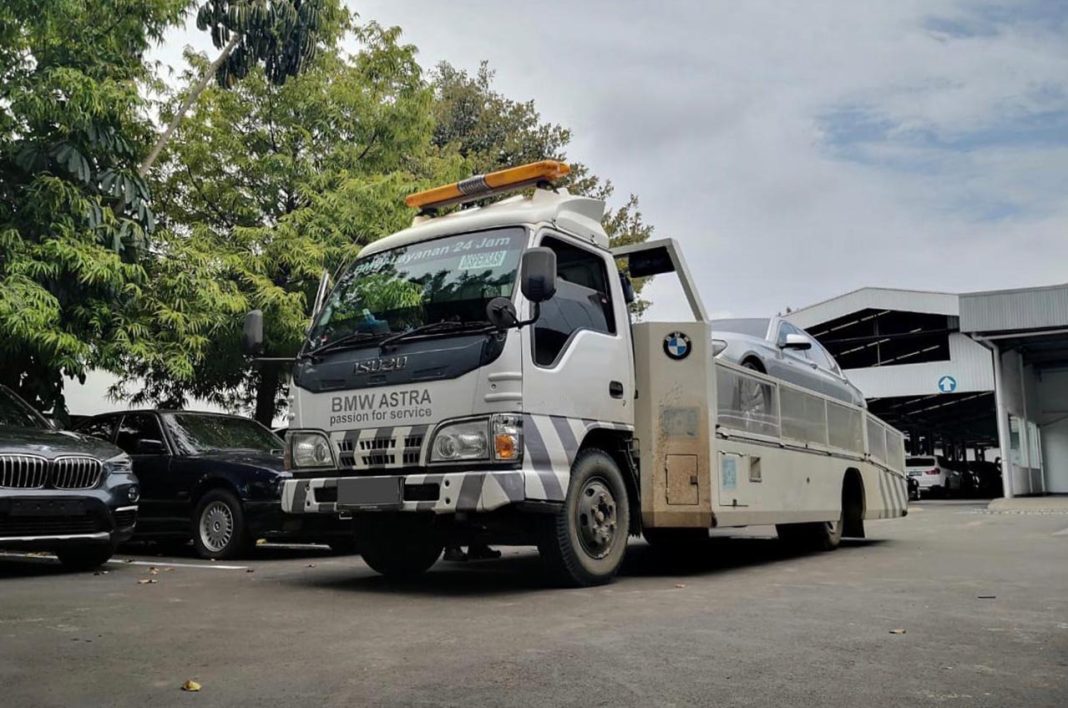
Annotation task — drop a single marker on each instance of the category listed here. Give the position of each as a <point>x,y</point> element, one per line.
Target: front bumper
<point>441,493</point>
<point>46,518</point>
<point>266,519</point>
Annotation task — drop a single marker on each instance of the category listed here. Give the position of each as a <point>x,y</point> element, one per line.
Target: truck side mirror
<point>629,296</point>
<point>538,274</point>
<point>252,333</point>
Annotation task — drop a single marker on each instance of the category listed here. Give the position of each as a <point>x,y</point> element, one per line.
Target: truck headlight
<point>466,440</point>
<point>499,437</point>
<point>308,449</point>
<point>120,464</point>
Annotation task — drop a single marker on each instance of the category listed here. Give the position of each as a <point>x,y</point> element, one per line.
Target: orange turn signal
<point>504,446</point>
<point>481,186</point>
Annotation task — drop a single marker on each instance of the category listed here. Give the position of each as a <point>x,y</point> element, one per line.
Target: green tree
<point>281,36</point>
<point>492,131</point>
<point>264,186</point>
<point>74,213</point>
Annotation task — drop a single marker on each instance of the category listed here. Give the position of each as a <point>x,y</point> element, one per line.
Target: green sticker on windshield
<point>493,259</point>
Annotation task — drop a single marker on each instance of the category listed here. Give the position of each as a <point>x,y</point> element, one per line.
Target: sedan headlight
<point>308,449</point>
<point>120,464</point>
<point>498,437</point>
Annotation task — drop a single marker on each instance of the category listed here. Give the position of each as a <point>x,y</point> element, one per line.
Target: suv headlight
<point>308,449</point>
<point>499,437</point>
<point>120,464</point>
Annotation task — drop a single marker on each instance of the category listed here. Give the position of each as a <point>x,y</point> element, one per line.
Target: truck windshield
<point>449,279</point>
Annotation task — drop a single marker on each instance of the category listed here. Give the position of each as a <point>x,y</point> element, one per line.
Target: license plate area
<point>47,507</point>
<point>370,492</point>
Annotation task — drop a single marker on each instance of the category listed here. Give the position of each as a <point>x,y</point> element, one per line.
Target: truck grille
<point>369,449</point>
<point>23,472</point>
<point>33,472</point>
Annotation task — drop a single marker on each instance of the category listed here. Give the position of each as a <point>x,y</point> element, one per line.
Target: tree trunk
<point>187,103</point>
<point>267,393</point>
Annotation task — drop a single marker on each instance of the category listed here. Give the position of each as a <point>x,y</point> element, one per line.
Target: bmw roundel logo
<point>677,345</point>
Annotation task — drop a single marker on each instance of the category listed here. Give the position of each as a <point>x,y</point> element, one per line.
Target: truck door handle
<point>615,389</point>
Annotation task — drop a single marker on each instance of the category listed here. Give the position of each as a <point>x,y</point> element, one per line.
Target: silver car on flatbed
<point>775,347</point>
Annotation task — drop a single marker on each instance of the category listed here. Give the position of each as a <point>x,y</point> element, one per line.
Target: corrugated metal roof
<point>1015,310</point>
<point>934,303</point>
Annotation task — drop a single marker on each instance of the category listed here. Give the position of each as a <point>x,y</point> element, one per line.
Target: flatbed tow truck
<point>477,377</point>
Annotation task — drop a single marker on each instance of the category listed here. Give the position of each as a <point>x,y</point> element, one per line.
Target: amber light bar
<point>481,186</point>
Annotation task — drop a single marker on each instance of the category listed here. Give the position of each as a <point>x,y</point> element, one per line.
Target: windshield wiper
<point>434,327</point>
<point>338,343</point>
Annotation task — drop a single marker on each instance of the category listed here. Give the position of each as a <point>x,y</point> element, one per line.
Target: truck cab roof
<point>578,216</point>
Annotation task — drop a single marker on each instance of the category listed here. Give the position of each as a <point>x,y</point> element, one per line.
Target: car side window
<point>137,427</point>
<point>102,428</point>
<point>582,301</point>
<point>818,355</point>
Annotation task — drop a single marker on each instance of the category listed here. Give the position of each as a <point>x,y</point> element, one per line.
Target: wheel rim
<point>596,518</point>
<point>216,526</point>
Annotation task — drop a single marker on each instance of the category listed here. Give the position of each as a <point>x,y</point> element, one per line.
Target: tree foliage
<point>265,186</point>
<point>74,214</point>
<point>492,131</point>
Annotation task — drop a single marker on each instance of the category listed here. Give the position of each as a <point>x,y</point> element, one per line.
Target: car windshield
<point>206,433</point>
<point>751,326</point>
<point>920,462</point>
<point>448,279</point>
<point>17,414</point>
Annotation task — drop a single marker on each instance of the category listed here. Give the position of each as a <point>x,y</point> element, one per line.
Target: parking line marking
<point>161,564</point>
<point>1062,532</point>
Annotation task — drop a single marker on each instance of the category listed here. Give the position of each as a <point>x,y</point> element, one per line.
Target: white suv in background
<point>929,472</point>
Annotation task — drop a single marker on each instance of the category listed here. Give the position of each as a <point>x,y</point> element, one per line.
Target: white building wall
<point>1048,407</point>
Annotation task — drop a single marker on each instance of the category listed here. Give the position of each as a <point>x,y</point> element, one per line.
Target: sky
<point>795,150</point>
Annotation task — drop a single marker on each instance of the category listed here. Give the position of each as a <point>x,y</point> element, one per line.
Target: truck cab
<point>456,372</point>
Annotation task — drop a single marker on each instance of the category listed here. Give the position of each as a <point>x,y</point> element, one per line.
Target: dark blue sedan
<point>211,477</point>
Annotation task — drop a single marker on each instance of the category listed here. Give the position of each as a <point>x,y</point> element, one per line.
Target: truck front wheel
<point>584,542</point>
<point>397,547</point>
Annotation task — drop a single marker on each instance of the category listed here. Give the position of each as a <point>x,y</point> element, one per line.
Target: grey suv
<point>62,492</point>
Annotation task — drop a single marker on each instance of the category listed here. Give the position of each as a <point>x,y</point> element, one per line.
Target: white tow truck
<point>477,378</point>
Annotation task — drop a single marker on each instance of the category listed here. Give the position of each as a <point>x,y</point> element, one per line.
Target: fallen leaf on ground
<point>250,570</point>
<point>897,631</point>
<point>311,565</point>
<point>680,585</point>
<point>260,541</point>
<point>168,570</point>
<point>191,685</point>
<point>153,571</point>
<point>147,581</point>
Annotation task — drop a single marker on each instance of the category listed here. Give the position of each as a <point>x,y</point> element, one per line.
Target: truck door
<point>579,361</point>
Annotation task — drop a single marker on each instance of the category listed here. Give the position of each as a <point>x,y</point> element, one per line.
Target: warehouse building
<point>925,361</point>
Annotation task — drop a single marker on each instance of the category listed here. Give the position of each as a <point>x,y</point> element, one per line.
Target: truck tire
<point>85,557</point>
<point>219,529</point>
<point>583,544</point>
<point>398,548</point>
<point>818,536</point>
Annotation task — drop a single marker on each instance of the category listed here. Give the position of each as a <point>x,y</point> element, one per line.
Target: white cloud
<point>798,150</point>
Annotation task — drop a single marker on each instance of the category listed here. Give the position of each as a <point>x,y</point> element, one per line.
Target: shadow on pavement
<point>524,572</point>
<point>148,550</point>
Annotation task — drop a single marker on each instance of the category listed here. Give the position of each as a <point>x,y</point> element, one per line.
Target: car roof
<point>151,411</point>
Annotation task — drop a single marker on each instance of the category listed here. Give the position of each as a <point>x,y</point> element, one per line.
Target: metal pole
<point>1004,439</point>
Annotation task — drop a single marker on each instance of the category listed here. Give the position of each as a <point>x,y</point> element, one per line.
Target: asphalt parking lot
<point>982,600</point>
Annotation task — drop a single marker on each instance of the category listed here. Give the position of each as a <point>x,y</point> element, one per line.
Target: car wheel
<point>755,398</point>
<point>219,530</point>
<point>584,543</point>
<point>819,536</point>
<point>85,557</point>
